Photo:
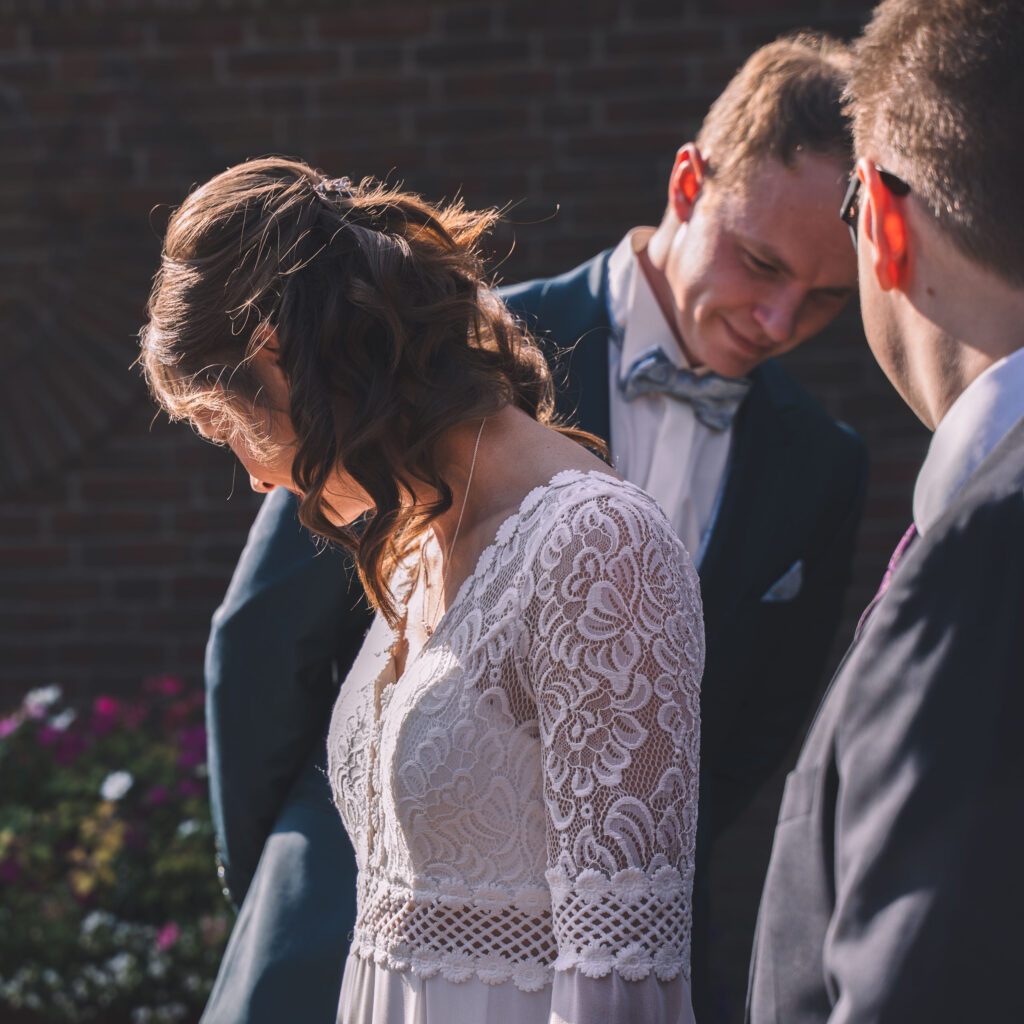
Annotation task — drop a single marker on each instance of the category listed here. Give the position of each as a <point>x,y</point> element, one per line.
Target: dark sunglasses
<point>850,208</point>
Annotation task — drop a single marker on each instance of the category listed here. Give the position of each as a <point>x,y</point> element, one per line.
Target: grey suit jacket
<point>895,891</point>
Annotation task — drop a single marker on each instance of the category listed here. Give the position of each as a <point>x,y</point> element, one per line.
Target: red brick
<point>513,85</point>
<point>297,63</point>
<point>375,21</point>
<point>485,53</point>
<point>466,19</point>
<point>486,120</point>
<point>536,15</point>
<point>33,556</point>
<point>92,33</point>
<point>562,47</point>
<point>679,43</point>
<point>144,489</point>
<point>611,80</point>
<point>200,30</point>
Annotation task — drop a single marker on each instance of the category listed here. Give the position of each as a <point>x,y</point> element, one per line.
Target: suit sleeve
<point>798,638</point>
<point>290,620</point>
<point>929,816</point>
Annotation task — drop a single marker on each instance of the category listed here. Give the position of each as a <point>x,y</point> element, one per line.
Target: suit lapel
<point>759,490</point>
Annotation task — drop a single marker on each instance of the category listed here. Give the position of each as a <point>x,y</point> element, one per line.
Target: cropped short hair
<point>937,90</point>
<point>786,100</point>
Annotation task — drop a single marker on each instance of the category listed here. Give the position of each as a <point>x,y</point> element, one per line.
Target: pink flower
<point>69,747</point>
<point>48,736</point>
<point>165,686</point>
<point>189,788</point>
<point>105,714</point>
<point>9,725</point>
<point>193,747</point>
<point>10,871</point>
<point>157,796</point>
<point>167,936</point>
<point>134,715</point>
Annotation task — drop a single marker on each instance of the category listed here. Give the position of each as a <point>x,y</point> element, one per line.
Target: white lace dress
<point>523,799</point>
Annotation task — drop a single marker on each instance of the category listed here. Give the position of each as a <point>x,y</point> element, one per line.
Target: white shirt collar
<point>633,308</point>
<point>974,424</point>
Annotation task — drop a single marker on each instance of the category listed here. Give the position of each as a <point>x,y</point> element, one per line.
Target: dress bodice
<point>523,799</point>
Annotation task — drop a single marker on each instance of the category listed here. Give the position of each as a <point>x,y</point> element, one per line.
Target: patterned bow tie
<point>715,399</point>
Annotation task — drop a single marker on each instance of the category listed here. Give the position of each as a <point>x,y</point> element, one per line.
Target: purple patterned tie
<point>901,550</point>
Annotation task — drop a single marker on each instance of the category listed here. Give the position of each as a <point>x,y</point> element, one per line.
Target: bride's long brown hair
<point>388,334</point>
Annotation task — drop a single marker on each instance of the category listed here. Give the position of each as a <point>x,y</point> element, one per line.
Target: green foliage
<point>110,909</point>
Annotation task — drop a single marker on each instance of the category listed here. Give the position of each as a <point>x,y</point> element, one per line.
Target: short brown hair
<point>937,89</point>
<point>388,335</point>
<point>784,101</point>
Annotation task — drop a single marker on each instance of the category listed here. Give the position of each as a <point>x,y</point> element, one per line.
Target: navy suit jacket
<point>895,891</point>
<point>291,623</point>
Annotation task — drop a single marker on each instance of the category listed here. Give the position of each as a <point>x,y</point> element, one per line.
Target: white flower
<point>171,1012</point>
<point>532,900</point>
<point>456,966</point>
<point>596,961</point>
<point>530,977</point>
<point>159,966</point>
<point>94,920</point>
<point>630,885</point>
<point>120,965</point>
<point>559,883</point>
<point>490,897</point>
<point>668,962</point>
<point>493,970</point>
<point>425,965</point>
<point>592,885</point>
<point>115,785</point>
<point>667,883</point>
<point>188,827</point>
<point>63,720</point>
<point>38,700</point>
<point>633,962</point>
<point>453,894</point>
<point>142,1015</point>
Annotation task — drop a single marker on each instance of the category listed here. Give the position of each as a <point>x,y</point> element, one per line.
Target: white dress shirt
<point>975,423</point>
<point>657,442</point>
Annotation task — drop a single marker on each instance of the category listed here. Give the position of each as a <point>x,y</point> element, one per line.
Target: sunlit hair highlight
<point>388,337</point>
<point>785,101</point>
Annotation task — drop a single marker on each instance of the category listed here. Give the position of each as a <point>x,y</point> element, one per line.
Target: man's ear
<point>885,228</point>
<point>686,181</point>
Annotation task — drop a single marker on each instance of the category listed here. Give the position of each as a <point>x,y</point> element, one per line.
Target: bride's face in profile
<point>344,500</point>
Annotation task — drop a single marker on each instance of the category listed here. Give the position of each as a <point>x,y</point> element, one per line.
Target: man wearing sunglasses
<point>673,334</point>
<point>894,891</point>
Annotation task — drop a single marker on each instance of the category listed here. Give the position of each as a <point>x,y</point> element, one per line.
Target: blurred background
<point>118,532</point>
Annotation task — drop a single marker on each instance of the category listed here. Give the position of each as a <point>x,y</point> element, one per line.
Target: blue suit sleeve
<point>292,619</point>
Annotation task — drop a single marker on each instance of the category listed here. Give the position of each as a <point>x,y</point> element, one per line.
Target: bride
<point>515,750</point>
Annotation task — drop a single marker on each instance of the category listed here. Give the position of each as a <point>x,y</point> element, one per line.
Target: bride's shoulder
<point>597,508</point>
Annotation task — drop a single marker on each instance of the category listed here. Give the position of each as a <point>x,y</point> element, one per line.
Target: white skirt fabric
<point>371,994</point>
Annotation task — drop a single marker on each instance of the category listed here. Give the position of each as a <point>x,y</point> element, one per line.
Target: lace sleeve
<point>612,609</point>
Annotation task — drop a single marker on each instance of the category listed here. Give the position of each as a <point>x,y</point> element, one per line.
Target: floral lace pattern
<point>523,798</point>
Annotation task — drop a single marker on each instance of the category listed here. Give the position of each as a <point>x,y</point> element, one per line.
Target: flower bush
<point>110,909</point>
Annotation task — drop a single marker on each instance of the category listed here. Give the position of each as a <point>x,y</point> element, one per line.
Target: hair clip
<point>328,187</point>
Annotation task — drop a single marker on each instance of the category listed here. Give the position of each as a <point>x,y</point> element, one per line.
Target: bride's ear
<point>266,361</point>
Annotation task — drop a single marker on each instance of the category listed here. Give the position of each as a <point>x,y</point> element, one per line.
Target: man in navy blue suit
<point>671,338</point>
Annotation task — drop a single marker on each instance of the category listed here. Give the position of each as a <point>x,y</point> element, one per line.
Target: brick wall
<point>117,537</point>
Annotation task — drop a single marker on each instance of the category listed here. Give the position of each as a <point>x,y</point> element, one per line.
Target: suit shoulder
<point>528,298</point>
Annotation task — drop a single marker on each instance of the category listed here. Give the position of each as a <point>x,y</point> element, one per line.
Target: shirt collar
<point>635,314</point>
<point>974,424</point>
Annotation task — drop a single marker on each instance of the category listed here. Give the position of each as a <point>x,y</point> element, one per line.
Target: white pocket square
<point>788,585</point>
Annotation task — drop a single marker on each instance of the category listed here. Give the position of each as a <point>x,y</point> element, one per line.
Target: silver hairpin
<point>328,187</point>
